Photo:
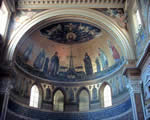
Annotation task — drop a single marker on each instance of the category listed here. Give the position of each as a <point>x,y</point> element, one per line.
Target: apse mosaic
<point>50,59</point>
<point>117,14</point>
<point>70,32</point>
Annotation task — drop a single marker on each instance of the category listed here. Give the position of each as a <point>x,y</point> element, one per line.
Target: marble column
<point>134,87</point>
<point>5,88</point>
<point>7,77</point>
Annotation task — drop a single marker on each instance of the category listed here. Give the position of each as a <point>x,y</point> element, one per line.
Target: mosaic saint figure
<point>94,94</point>
<point>54,66</point>
<point>88,65</point>
<point>98,66</point>
<point>71,95</point>
<point>39,61</point>
<point>19,84</point>
<point>120,79</point>
<point>48,93</point>
<point>103,59</point>
<point>115,87</point>
<point>26,83</point>
<point>45,70</point>
<point>114,51</point>
<point>27,53</point>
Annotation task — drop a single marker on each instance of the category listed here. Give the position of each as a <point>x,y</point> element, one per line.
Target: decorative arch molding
<point>101,92</point>
<point>80,90</point>
<point>89,15</point>
<point>79,104</point>
<point>64,97</point>
<point>62,90</point>
<point>40,93</point>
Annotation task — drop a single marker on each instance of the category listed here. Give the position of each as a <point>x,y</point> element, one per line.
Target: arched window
<point>58,103</point>
<point>84,101</point>
<point>3,18</point>
<point>34,97</point>
<point>107,96</point>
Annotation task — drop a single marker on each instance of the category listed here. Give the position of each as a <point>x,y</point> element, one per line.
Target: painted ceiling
<point>52,53</point>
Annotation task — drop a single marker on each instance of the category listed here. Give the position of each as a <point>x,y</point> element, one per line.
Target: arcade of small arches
<point>34,92</point>
<point>83,97</point>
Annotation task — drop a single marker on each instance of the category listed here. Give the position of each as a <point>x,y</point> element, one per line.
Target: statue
<point>48,93</point>
<point>39,61</point>
<point>54,66</point>
<point>45,70</point>
<point>98,65</point>
<point>88,64</point>
<point>103,59</point>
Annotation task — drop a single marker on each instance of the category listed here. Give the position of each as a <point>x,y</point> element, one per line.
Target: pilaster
<point>7,77</point>
<point>134,86</point>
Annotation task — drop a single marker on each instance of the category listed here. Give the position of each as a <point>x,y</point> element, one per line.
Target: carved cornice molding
<point>47,4</point>
<point>131,71</point>
<point>144,56</point>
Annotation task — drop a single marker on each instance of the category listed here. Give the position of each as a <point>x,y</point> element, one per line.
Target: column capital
<point>7,77</point>
<point>134,86</point>
<point>6,85</point>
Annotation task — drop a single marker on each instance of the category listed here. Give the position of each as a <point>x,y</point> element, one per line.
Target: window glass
<point>34,98</point>
<point>107,96</point>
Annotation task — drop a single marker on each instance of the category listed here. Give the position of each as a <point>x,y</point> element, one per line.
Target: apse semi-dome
<point>69,51</point>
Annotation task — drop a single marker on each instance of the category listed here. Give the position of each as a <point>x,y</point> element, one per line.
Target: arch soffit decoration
<point>80,90</point>
<point>59,89</point>
<point>101,88</point>
<point>39,88</point>
<point>85,14</point>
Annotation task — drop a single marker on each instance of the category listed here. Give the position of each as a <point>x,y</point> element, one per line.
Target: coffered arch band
<point>99,19</point>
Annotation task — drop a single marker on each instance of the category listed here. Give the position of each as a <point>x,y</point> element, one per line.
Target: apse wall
<point>20,97</point>
<point>69,63</point>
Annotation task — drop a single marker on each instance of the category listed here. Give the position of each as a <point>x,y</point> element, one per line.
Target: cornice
<point>48,4</point>
<point>144,57</point>
<point>137,66</point>
<point>20,70</point>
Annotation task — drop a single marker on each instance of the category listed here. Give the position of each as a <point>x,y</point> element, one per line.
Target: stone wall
<point>16,110</point>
